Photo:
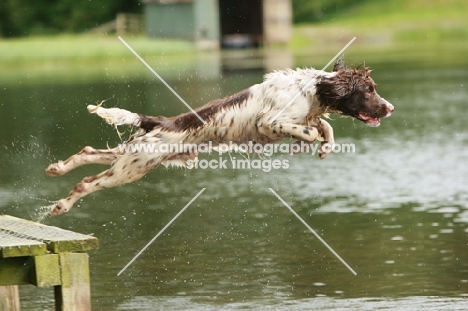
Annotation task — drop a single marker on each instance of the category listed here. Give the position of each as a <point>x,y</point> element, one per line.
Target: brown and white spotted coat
<point>250,115</point>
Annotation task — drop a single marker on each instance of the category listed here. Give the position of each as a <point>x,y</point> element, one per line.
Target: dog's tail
<point>116,116</point>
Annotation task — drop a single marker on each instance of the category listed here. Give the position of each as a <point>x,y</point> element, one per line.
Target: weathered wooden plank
<point>9,298</point>
<point>15,270</point>
<point>74,246</point>
<point>56,239</point>
<point>74,292</point>
<point>46,270</point>
<point>12,246</point>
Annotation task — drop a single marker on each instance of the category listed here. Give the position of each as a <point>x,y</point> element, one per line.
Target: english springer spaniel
<point>263,113</point>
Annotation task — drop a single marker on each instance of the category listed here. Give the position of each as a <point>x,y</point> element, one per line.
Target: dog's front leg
<point>301,133</point>
<point>319,130</point>
<point>326,137</point>
<point>297,131</point>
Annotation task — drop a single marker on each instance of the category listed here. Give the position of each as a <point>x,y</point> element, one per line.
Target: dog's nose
<point>390,107</point>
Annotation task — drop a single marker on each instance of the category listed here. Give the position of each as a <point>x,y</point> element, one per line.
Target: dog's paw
<point>325,149</point>
<point>59,208</point>
<point>323,155</point>
<point>55,169</point>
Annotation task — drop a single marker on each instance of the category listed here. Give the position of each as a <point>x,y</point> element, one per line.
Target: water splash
<point>22,163</point>
<point>40,214</point>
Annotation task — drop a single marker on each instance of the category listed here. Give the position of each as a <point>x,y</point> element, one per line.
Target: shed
<point>225,23</point>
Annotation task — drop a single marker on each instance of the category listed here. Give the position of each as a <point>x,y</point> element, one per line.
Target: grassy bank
<point>395,32</point>
<point>18,52</point>
<point>417,30</point>
<point>87,56</point>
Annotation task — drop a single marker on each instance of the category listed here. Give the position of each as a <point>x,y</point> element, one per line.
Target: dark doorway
<point>241,23</point>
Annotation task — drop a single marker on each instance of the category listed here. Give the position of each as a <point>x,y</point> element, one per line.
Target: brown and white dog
<point>263,113</point>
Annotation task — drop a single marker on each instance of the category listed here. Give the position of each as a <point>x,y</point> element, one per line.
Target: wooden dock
<point>32,253</point>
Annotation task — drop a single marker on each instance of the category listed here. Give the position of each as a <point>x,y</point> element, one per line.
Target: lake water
<point>395,210</point>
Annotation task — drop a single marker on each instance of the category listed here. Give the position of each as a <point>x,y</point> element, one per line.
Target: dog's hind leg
<point>87,155</point>
<point>126,169</point>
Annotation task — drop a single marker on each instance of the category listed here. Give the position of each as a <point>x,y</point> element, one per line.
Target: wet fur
<point>247,116</point>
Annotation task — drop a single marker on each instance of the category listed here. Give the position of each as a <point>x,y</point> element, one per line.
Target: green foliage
<point>306,11</point>
<point>368,13</point>
<point>39,17</point>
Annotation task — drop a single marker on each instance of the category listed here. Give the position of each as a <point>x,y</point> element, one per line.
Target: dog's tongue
<point>371,121</point>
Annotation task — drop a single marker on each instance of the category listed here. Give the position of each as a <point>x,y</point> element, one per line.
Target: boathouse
<point>220,23</point>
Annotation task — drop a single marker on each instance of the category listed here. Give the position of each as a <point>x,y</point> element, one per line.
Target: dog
<point>288,104</point>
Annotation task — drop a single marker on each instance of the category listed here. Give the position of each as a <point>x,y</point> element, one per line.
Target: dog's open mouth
<point>368,119</point>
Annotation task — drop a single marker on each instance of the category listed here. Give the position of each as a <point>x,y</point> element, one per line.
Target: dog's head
<point>351,92</point>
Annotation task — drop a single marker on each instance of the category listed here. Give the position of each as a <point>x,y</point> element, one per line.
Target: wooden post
<point>277,21</point>
<point>120,24</point>
<point>128,23</point>
<point>9,298</point>
<point>74,293</point>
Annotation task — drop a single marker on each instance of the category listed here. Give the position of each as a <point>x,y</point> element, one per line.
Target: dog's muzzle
<point>389,107</point>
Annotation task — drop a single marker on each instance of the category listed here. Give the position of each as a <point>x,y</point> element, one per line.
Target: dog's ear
<point>339,65</point>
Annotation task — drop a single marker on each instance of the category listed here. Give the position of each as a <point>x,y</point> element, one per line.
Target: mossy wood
<point>32,253</point>
<point>20,237</point>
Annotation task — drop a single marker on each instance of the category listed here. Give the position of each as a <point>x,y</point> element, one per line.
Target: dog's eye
<point>369,88</point>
